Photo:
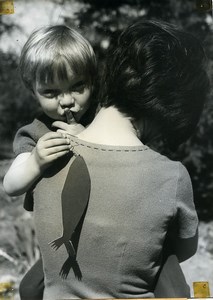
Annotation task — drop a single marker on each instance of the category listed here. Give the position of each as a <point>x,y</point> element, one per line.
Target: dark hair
<point>157,71</point>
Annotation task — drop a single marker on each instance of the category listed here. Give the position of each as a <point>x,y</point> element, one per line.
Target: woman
<point>132,197</point>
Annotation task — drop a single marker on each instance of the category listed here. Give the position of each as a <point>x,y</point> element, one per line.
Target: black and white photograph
<point>106,149</point>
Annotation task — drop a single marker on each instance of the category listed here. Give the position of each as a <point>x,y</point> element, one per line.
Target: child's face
<point>55,97</point>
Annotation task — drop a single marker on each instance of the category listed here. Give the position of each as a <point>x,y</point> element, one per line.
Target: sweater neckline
<point>79,142</point>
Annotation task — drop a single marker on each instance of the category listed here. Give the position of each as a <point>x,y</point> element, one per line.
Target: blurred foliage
<point>17,106</point>
<point>100,22</point>
<point>18,244</point>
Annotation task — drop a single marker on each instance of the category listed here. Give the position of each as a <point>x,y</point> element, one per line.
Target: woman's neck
<point>110,127</point>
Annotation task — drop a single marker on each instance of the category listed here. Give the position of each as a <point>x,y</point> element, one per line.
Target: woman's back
<point>135,195</point>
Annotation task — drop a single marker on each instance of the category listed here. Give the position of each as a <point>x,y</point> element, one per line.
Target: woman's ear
<point>147,130</point>
<point>138,126</point>
<point>33,93</point>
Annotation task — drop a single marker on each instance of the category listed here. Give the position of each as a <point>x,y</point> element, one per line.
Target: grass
<point>18,245</point>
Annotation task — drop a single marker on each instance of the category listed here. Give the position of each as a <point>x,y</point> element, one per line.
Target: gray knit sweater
<point>137,196</point>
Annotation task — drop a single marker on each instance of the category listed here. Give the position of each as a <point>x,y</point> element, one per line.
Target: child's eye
<point>50,94</point>
<point>78,87</point>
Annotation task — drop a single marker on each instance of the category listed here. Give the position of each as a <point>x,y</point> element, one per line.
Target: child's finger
<point>51,135</point>
<point>60,125</point>
<point>63,132</point>
<point>69,116</point>
<point>55,156</point>
<point>57,149</point>
<point>56,142</point>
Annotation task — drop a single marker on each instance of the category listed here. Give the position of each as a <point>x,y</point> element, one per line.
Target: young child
<point>59,66</point>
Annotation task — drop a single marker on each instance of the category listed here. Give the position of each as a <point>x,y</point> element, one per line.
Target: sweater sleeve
<point>186,219</point>
<point>23,141</point>
<point>27,136</point>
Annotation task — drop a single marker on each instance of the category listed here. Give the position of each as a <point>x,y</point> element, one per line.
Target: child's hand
<point>73,128</point>
<point>49,147</point>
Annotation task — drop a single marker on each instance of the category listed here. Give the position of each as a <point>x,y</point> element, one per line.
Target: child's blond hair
<point>57,52</point>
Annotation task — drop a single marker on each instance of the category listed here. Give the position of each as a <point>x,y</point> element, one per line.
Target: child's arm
<point>28,167</point>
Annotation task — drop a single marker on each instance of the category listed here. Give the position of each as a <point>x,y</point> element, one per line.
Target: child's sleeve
<point>25,140</point>
<point>186,219</point>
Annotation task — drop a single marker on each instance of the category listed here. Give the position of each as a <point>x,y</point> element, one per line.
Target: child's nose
<point>66,100</point>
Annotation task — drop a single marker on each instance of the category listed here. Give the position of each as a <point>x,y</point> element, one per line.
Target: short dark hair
<point>158,71</point>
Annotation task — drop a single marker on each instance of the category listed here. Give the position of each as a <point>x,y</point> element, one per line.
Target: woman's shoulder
<point>167,165</point>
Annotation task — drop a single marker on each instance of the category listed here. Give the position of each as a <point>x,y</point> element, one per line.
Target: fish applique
<point>74,201</point>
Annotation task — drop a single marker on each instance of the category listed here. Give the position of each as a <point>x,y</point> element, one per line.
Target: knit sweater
<point>137,197</point>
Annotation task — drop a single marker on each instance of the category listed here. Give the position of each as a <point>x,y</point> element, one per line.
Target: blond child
<point>59,66</point>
